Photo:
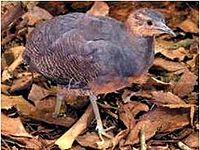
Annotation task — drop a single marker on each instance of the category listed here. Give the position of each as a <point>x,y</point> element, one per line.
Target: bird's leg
<point>59,99</point>
<point>60,96</point>
<point>99,127</point>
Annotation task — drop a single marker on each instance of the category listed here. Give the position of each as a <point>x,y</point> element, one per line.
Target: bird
<point>97,54</point>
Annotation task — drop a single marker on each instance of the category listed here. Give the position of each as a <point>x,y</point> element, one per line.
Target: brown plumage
<point>99,54</point>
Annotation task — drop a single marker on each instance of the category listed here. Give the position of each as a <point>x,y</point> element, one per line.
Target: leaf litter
<point>160,103</point>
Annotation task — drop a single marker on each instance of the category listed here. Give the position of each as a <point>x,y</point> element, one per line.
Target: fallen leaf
<point>168,65</point>
<point>55,7</point>
<point>194,63</point>
<point>4,89</point>
<point>162,98</point>
<point>37,15</point>
<point>11,54</point>
<point>161,45</point>
<point>81,5</point>
<point>17,101</point>
<point>10,12</point>
<point>192,140</point>
<point>119,137</point>
<point>120,11</point>
<point>88,140</point>
<point>159,120</point>
<point>99,9</point>
<point>8,72</point>
<point>30,4</point>
<point>30,143</point>
<point>189,26</point>
<point>44,110</point>
<point>142,79</point>
<point>166,147</point>
<point>129,110</point>
<point>13,126</point>
<point>185,84</point>
<point>77,147</point>
<point>37,93</point>
<point>143,93</point>
<point>179,53</point>
<point>21,84</point>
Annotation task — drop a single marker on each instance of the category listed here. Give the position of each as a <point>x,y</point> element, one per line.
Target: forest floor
<point>160,111</point>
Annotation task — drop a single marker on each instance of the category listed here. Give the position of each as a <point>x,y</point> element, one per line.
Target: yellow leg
<point>99,127</point>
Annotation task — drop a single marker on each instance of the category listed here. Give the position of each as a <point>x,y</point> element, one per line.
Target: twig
<point>67,139</point>
<point>143,145</point>
<point>182,146</point>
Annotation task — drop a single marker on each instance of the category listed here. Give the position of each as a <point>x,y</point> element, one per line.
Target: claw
<point>99,127</point>
<point>102,132</point>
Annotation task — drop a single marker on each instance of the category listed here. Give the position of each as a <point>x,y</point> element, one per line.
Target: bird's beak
<point>165,29</point>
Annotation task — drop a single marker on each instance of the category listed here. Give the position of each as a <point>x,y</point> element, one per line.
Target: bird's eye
<point>149,22</point>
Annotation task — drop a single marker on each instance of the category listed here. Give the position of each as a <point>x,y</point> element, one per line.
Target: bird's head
<point>147,22</point>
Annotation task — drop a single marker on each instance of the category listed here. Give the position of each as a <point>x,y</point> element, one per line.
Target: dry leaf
<point>119,137</point>
<point>185,84</point>
<point>168,65</point>
<point>11,54</point>
<point>21,84</point>
<point>44,110</point>
<point>92,140</point>
<point>166,147</point>
<point>7,73</point>
<point>17,101</point>
<point>37,15</point>
<point>129,110</point>
<point>143,93</point>
<point>37,93</point>
<point>10,12</point>
<point>31,143</point>
<point>13,126</point>
<point>195,16</point>
<point>189,26</point>
<point>150,130</point>
<point>192,140</point>
<point>4,89</point>
<point>162,98</point>
<point>159,120</point>
<point>194,62</point>
<point>121,10</point>
<point>161,45</point>
<point>179,53</point>
<point>99,9</point>
<point>81,5</point>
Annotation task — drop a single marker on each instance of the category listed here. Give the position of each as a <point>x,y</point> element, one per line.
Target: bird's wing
<point>45,34</point>
<point>84,48</point>
<point>91,28</point>
<point>74,56</point>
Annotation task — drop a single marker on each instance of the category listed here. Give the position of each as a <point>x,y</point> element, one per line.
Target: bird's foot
<point>102,132</point>
<point>104,144</point>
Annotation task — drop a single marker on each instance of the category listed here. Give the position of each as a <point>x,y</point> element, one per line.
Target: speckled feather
<point>87,49</point>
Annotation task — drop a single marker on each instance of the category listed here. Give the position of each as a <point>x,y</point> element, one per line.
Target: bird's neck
<point>143,49</point>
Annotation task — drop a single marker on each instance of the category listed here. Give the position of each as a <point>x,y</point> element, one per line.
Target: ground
<point>157,111</point>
